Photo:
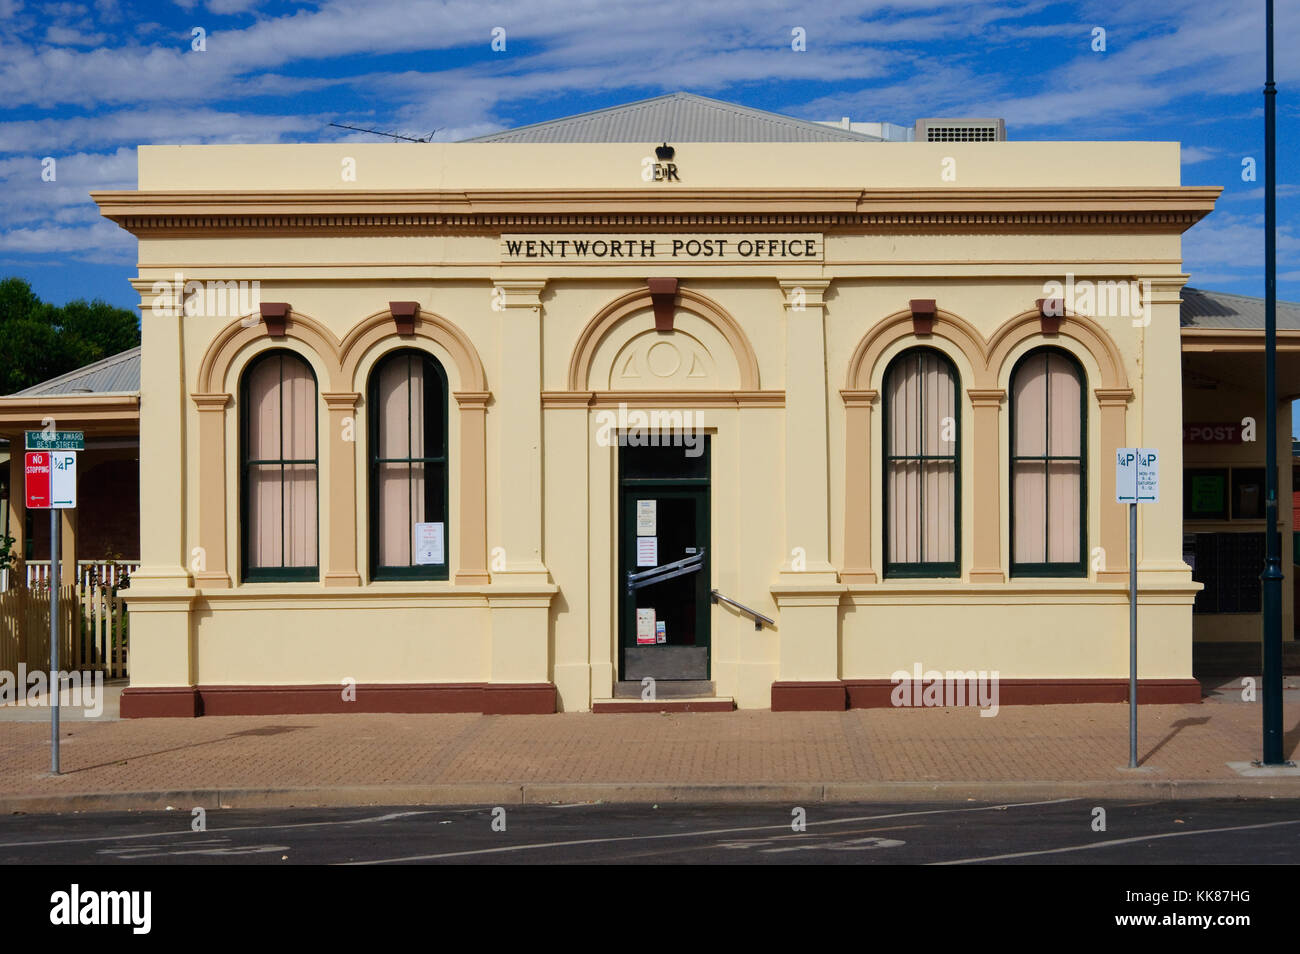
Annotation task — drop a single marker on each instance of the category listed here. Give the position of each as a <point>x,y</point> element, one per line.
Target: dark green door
<point>664,563</point>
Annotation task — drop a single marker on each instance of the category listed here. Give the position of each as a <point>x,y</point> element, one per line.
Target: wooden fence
<point>25,629</point>
<point>95,626</point>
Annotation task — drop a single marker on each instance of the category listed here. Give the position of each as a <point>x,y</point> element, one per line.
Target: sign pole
<point>1137,480</point>
<point>1132,637</point>
<point>54,641</point>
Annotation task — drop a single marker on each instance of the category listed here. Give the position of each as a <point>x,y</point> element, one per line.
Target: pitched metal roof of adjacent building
<point>1208,309</point>
<point>676,118</point>
<point>117,374</point>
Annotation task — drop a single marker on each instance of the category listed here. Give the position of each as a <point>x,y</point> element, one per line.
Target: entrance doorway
<point>664,562</point>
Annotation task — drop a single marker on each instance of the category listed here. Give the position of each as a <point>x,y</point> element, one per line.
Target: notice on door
<point>430,544</point>
<point>647,551</point>
<point>645,627</point>
<point>647,518</point>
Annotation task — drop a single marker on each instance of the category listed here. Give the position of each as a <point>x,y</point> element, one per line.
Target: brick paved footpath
<point>346,759</point>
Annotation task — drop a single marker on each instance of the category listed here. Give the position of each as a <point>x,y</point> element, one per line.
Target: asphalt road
<point>1061,832</point>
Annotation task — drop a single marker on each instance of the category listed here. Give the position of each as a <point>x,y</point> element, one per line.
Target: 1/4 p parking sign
<point>51,480</point>
<point>1137,475</point>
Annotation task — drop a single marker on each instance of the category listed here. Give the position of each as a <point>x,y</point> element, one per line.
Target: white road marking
<point>1115,841</point>
<point>699,834</point>
<point>212,831</point>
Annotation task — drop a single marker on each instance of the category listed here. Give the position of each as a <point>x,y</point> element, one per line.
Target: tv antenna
<point>376,132</point>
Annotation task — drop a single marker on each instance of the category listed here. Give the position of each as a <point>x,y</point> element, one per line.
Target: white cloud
<point>70,36</point>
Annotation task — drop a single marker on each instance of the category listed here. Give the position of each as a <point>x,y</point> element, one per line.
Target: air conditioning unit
<point>961,130</point>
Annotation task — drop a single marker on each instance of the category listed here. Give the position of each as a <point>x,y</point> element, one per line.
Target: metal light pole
<point>1272,575</point>
<point>54,636</point>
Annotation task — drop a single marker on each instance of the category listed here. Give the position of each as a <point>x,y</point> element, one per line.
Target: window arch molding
<point>366,345</point>
<point>336,363</point>
<point>990,361</point>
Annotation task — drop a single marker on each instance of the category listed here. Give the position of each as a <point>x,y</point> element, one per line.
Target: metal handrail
<point>667,571</point>
<point>759,618</point>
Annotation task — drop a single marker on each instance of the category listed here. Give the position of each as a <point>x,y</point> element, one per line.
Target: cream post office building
<point>766,410</point>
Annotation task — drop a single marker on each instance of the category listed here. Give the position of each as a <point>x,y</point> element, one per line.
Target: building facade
<point>511,426</point>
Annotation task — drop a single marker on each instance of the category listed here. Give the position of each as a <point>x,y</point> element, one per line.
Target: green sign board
<point>56,441</point>
<point>1208,494</point>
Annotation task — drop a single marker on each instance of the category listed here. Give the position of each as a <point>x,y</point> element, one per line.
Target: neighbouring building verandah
<point>99,540</point>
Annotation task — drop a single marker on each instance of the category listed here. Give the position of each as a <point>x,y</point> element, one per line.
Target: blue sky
<point>85,82</point>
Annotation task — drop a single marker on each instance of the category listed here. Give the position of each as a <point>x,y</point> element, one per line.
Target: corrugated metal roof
<point>1207,309</point>
<point>676,118</point>
<point>118,374</point>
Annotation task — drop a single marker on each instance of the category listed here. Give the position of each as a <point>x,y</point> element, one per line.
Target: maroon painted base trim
<point>152,703</point>
<point>518,698</point>
<point>488,698</point>
<point>808,696</point>
<point>666,705</point>
<point>876,693</point>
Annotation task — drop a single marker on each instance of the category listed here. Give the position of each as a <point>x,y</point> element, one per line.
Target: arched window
<point>279,469</point>
<point>922,486</point>
<point>408,468</point>
<point>1048,465</point>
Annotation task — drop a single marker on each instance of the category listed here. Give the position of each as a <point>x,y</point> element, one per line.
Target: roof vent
<point>961,130</point>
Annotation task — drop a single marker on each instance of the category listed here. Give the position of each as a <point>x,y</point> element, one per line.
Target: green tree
<point>39,341</point>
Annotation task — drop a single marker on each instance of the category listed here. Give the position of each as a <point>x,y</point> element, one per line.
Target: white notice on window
<point>646,518</point>
<point>429,543</point>
<point>645,627</point>
<point>647,551</point>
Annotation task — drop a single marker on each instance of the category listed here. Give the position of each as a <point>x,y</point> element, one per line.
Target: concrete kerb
<point>632,793</point>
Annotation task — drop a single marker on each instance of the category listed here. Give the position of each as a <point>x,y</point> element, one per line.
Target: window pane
<point>1063,487</point>
<point>300,514</point>
<point>904,407</point>
<point>394,408</point>
<point>395,524</point>
<point>937,405</point>
<point>415,385</point>
<point>299,420</point>
<point>1063,385</point>
<point>904,511</point>
<point>435,480</point>
<point>264,410</point>
<point>264,516</point>
<point>939,499</point>
<point>435,441</point>
<point>1029,392</point>
<point>1029,492</point>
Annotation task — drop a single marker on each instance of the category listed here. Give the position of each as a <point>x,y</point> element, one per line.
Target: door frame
<point>688,488</point>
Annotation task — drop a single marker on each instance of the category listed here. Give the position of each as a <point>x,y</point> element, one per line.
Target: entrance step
<point>697,704</point>
<point>667,689</point>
